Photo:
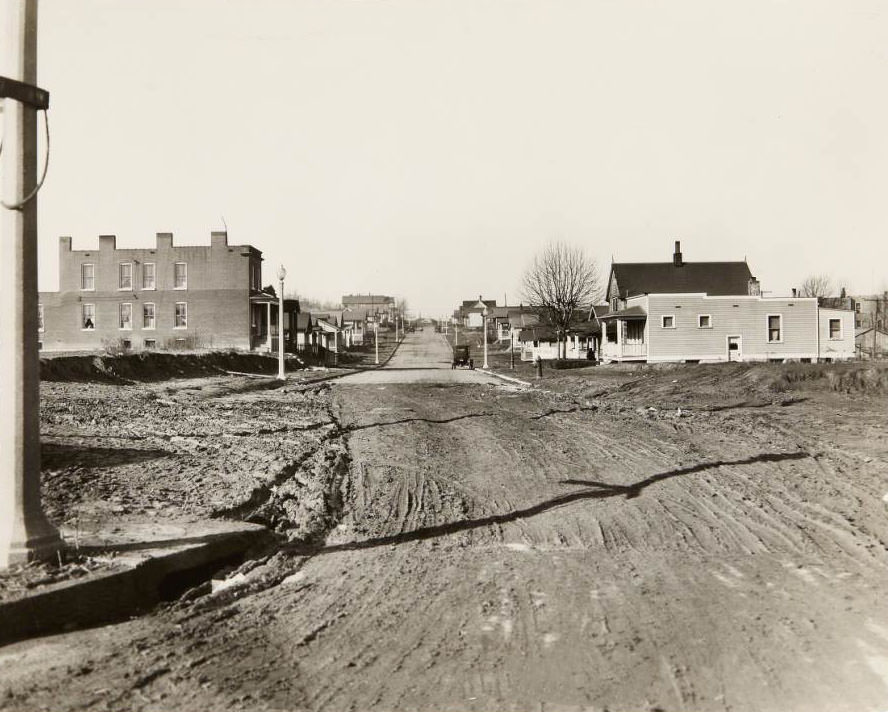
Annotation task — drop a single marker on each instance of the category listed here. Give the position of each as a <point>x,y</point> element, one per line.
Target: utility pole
<point>25,533</point>
<point>282,273</point>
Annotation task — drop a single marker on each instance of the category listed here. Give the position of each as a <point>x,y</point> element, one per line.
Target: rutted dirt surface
<point>688,539</point>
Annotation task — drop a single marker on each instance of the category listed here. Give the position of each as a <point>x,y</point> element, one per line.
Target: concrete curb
<point>155,570</point>
<point>349,372</point>
<point>510,379</point>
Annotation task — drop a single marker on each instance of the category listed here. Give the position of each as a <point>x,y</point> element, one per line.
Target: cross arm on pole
<point>26,93</point>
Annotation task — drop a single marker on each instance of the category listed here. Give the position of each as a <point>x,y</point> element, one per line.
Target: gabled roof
<point>303,321</point>
<point>470,304</point>
<point>713,278</point>
<point>329,317</point>
<point>599,310</point>
<point>498,312</point>
<point>355,315</point>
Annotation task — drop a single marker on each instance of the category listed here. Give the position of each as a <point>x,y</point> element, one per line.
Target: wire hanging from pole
<point>30,196</point>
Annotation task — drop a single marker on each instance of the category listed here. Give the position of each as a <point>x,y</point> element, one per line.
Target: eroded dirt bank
<point>674,543</point>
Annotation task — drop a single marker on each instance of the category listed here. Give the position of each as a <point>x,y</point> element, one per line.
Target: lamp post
<point>376,338</point>
<point>511,348</point>
<point>281,274</point>
<point>484,328</point>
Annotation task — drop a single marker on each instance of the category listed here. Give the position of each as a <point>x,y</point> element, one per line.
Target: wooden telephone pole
<point>25,533</point>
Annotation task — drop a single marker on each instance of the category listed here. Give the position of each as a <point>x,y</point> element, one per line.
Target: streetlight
<point>281,274</point>
<point>484,328</point>
<point>376,338</point>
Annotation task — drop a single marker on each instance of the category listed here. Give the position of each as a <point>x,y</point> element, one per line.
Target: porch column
<point>619,337</point>
<point>577,345</point>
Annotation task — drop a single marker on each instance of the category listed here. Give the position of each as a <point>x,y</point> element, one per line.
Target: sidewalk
<point>148,562</point>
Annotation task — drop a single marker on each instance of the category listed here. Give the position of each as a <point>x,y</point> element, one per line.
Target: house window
<point>87,316</point>
<point>857,307</point>
<point>125,275</point>
<point>149,276</point>
<point>150,343</point>
<point>835,329</point>
<point>148,315</point>
<point>39,317</point>
<point>704,321</point>
<point>127,344</point>
<point>667,321</point>
<point>181,315</point>
<point>775,328</point>
<point>125,313</point>
<point>255,275</point>
<point>634,332</point>
<point>87,277</point>
<point>180,276</point>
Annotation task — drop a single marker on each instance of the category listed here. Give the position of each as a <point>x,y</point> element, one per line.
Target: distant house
<point>714,311</point>
<point>541,339</point>
<point>870,312</point>
<point>470,313</point>
<point>872,340</point>
<point>373,305</point>
<point>356,320</point>
<point>328,334</point>
<point>302,332</point>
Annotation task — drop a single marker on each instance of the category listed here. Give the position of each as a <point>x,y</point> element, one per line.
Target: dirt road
<point>424,357</point>
<point>509,549</point>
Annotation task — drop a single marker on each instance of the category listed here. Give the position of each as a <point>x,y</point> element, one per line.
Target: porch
<point>624,335</point>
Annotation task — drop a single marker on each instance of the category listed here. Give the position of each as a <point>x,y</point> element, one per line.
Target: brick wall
<point>217,295</point>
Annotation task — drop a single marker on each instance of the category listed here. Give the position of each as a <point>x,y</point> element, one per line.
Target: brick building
<point>163,296</point>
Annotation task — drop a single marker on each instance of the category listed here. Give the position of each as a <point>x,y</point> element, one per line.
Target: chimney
<point>107,242</point>
<point>794,292</point>
<point>843,293</point>
<point>755,289</point>
<point>676,258</point>
<point>164,240</point>
<point>64,243</point>
<point>219,238</point>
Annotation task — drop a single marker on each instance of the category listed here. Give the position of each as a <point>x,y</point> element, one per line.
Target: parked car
<point>461,357</point>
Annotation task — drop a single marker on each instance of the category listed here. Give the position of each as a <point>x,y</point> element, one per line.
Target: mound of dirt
<point>152,366</point>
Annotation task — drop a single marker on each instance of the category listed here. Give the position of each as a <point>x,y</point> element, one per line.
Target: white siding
<point>742,316</point>
<point>842,348</point>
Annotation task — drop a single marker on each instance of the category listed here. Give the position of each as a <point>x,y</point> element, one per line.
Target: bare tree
<point>560,279</point>
<point>817,285</point>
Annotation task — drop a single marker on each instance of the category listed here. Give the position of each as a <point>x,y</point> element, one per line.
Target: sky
<point>428,149</point>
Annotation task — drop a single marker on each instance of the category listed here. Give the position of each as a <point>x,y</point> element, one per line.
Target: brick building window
<point>125,316</point>
<point>149,276</point>
<point>149,315</point>
<point>150,343</point>
<point>40,326</point>
<point>87,277</point>
<point>775,328</point>
<point>88,316</point>
<point>180,275</point>
<point>125,275</point>
<point>181,315</point>
<point>835,329</point>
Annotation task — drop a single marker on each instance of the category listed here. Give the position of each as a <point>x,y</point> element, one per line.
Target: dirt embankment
<point>153,366</point>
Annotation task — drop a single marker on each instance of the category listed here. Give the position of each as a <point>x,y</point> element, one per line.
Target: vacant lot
<point>694,538</point>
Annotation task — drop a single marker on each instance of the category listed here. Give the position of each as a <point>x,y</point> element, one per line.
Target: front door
<point>735,351</point>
